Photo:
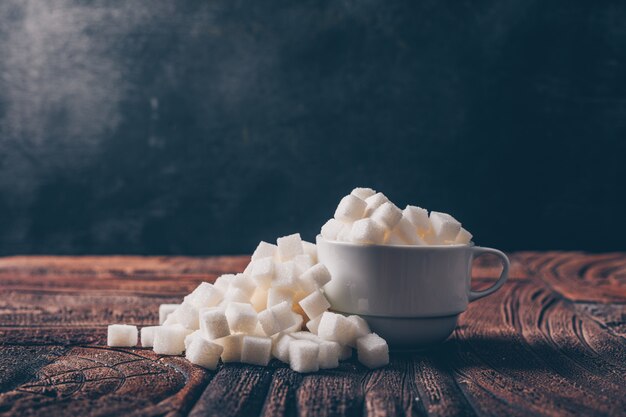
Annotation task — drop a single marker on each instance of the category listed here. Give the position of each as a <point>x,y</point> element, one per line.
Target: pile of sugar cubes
<point>259,314</point>
<point>367,217</point>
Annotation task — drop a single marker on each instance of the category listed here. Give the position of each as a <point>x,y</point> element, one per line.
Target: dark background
<point>202,127</point>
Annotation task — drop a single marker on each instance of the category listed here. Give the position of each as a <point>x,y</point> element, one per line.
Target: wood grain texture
<point>551,342</point>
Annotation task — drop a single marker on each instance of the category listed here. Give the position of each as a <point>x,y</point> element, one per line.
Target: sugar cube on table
<point>313,278</point>
<point>314,304</point>
<point>303,356</point>
<point>373,202</point>
<point>237,295</point>
<point>279,295</point>
<point>297,325</point>
<point>243,283</point>
<point>330,229</point>
<point>213,323</point>
<point>407,232</point>
<point>313,324</point>
<point>367,231</point>
<point>283,315</point>
<point>263,273</point>
<point>336,328</point>
<point>204,353</point>
<point>241,317</point>
<point>259,299</point>
<point>363,193</point>
<point>187,314</point>
<point>189,338</point>
<point>264,250</point>
<point>310,249</point>
<point>222,282</point>
<point>345,352</point>
<point>464,237</point>
<point>232,347</point>
<point>285,275</point>
<point>268,322</point>
<point>147,335</point>
<point>280,347</point>
<point>445,227</point>
<point>205,295</point>
<point>328,356</point>
<point>121,335</point>
<point>289,247</point>
<point>256,350</point>
<point>418,217</point>
<point>170,320</point>
<point>372,351</point>
<point>165,310</point>
<point>350,208</point>
<point>302,263</point>
<point>170,340</point>
<point>360,328</point>
<point>387,215</point>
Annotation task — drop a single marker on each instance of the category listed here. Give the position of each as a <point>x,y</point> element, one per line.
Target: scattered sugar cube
<point>302,263</point>
<point>373,202</point>
<point>213,324</point>
<point>171,320</point>
<point>345,233</point>
<point>464,237</point>
<point>165,310</point>
<point>345,352</point>
<point>350,208</point>
<point>328,356</point>
<point>263,272</point>
<point>330,229</point>
<point>232,347</point>
<point>264,250</point>
<point>204,353</point>
<point>283,315</point>
<point>259,299</point>
<point>289,247</point>
<point>363,193</point>
<point>303,356</point>
<point>387,215</point>
<point>189,338</point>
<point>205,295</point>
<point>147,336</point>
<point>360,328</point>
<point>285,275</point>
<point>256,350</point>
<point>241,317</point>
<point>187,314</point>
<point>336,328</point>
<point>313,324</point>
<point>222,283</point>
<point>268,322</point>
<point>445,227</point>
<point>237,295</point>
<point>418,217</point>
<point>297,326</point>
<point>279,295</point>
<point>314,278</point>
<point>367,231</point>
<point>314,304</point>
<point>170,340</point>
<point>310,249</point>
<point>121,335</point>
<point>280,348</point>
<point>244,283</point>
<point>372,351</point>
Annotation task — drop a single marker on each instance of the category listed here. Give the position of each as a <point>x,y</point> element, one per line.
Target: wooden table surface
<point>551,342</point>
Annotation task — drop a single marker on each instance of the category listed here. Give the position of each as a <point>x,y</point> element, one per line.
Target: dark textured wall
<point>201,127</point>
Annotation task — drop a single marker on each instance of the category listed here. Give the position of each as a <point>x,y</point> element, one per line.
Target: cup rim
<point>406,247</point>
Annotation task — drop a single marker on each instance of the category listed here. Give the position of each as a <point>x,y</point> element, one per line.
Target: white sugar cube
<point>360,328</point>
<point>445,227</point>
<point>241,317</point>
<point>280,348</point>
<point>283,315</point>
<point>205,295</point>
<point>204,353</point>
<point>165,310</point>
<point>187,315</point>
<point>330,229</point>
<point>244,283</point>
<point>303,356</point>
<point>189,338</point>
<point>222,283</point>
<point>363,193</point>
<point>232,347</point>
<point>259,299</point>
<point>213,324</point>
<point>387,215</point>
<point>171,320</point>
<point>418,217</point>
<point>302,263</point>
<point>279,295</point>
<point>147,335</point>
<point>313,278</point>
<point>297,325</point>
<point>345,233</point>
<point>310,249</point>
<point>263,272</point>
<point>237,295</point>
<point>350,208</point>
<point>285,275</point>
<point>314,304</point>
<point>313,324</point>
<point>268,322</point>
<point>256,350</point>
<point>328,356</point>
<point>393,238</point>
<point>367,231</point>
<point>289,247</point>
<point>122,335</point>
<point>407,233</point>
<point>373,202</point>
<point>464,237</point>
<point>336,328</point>
<point>345,352</point>
<point>264,250</point>
<point>372,351</point>
<point>170,340</point>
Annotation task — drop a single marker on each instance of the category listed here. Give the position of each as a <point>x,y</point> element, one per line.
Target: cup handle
<point>476,252</point>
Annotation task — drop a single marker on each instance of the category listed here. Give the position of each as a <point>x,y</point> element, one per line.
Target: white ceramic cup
<point>409,295</point>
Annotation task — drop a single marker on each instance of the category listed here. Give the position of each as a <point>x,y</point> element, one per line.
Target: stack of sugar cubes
<point>367,217</point>
<point>259,314</point>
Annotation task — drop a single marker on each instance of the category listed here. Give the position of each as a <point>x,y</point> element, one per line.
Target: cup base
<point>412,333</point>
